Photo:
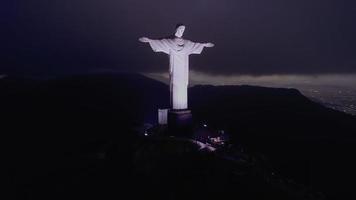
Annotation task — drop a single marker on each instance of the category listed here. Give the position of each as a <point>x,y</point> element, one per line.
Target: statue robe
<point>178,50</point>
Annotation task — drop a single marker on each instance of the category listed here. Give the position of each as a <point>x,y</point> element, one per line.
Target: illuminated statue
<point>178,50</point>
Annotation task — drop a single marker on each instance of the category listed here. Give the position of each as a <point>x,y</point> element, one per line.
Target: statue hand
<point>144,39</point>
<point>209,45</point>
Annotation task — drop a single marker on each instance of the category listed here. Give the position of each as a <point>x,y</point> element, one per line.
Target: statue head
<point>180,28</point>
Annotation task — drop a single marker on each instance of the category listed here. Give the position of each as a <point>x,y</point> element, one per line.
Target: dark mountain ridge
<point>50,122</point>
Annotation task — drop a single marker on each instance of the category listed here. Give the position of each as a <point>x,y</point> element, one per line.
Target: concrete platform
<point>180,122</point>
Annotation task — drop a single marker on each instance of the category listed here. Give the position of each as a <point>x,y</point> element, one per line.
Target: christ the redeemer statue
<point>178,50</point>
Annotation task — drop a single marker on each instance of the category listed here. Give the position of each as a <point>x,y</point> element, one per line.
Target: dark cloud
<point>251,36</point>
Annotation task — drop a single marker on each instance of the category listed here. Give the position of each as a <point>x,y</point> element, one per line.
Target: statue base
<point>180,122</point>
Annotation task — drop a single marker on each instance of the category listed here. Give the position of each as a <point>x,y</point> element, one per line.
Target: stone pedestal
<point>180,122</point>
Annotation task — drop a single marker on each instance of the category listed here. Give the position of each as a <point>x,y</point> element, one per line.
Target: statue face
<point>180,30</point>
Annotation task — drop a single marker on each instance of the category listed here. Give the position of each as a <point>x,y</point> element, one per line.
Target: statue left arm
<point>197,48</point>
<point>209,44</point>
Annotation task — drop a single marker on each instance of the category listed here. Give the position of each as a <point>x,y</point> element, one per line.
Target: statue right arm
<point>157,45</point>
<point>144,39</point>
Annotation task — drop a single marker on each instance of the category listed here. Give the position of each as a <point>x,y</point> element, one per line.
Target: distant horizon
<point>200,77</point>
<point>336,91</point>
<point>196,77</point>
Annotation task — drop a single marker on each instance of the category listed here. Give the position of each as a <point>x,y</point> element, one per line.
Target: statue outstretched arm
<point>156,45</point>
<point>197,48</point>
<point>209,44</point>
<point>144,39</point>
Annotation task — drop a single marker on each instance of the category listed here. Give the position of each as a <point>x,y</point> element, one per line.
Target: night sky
<point>252,37</point>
